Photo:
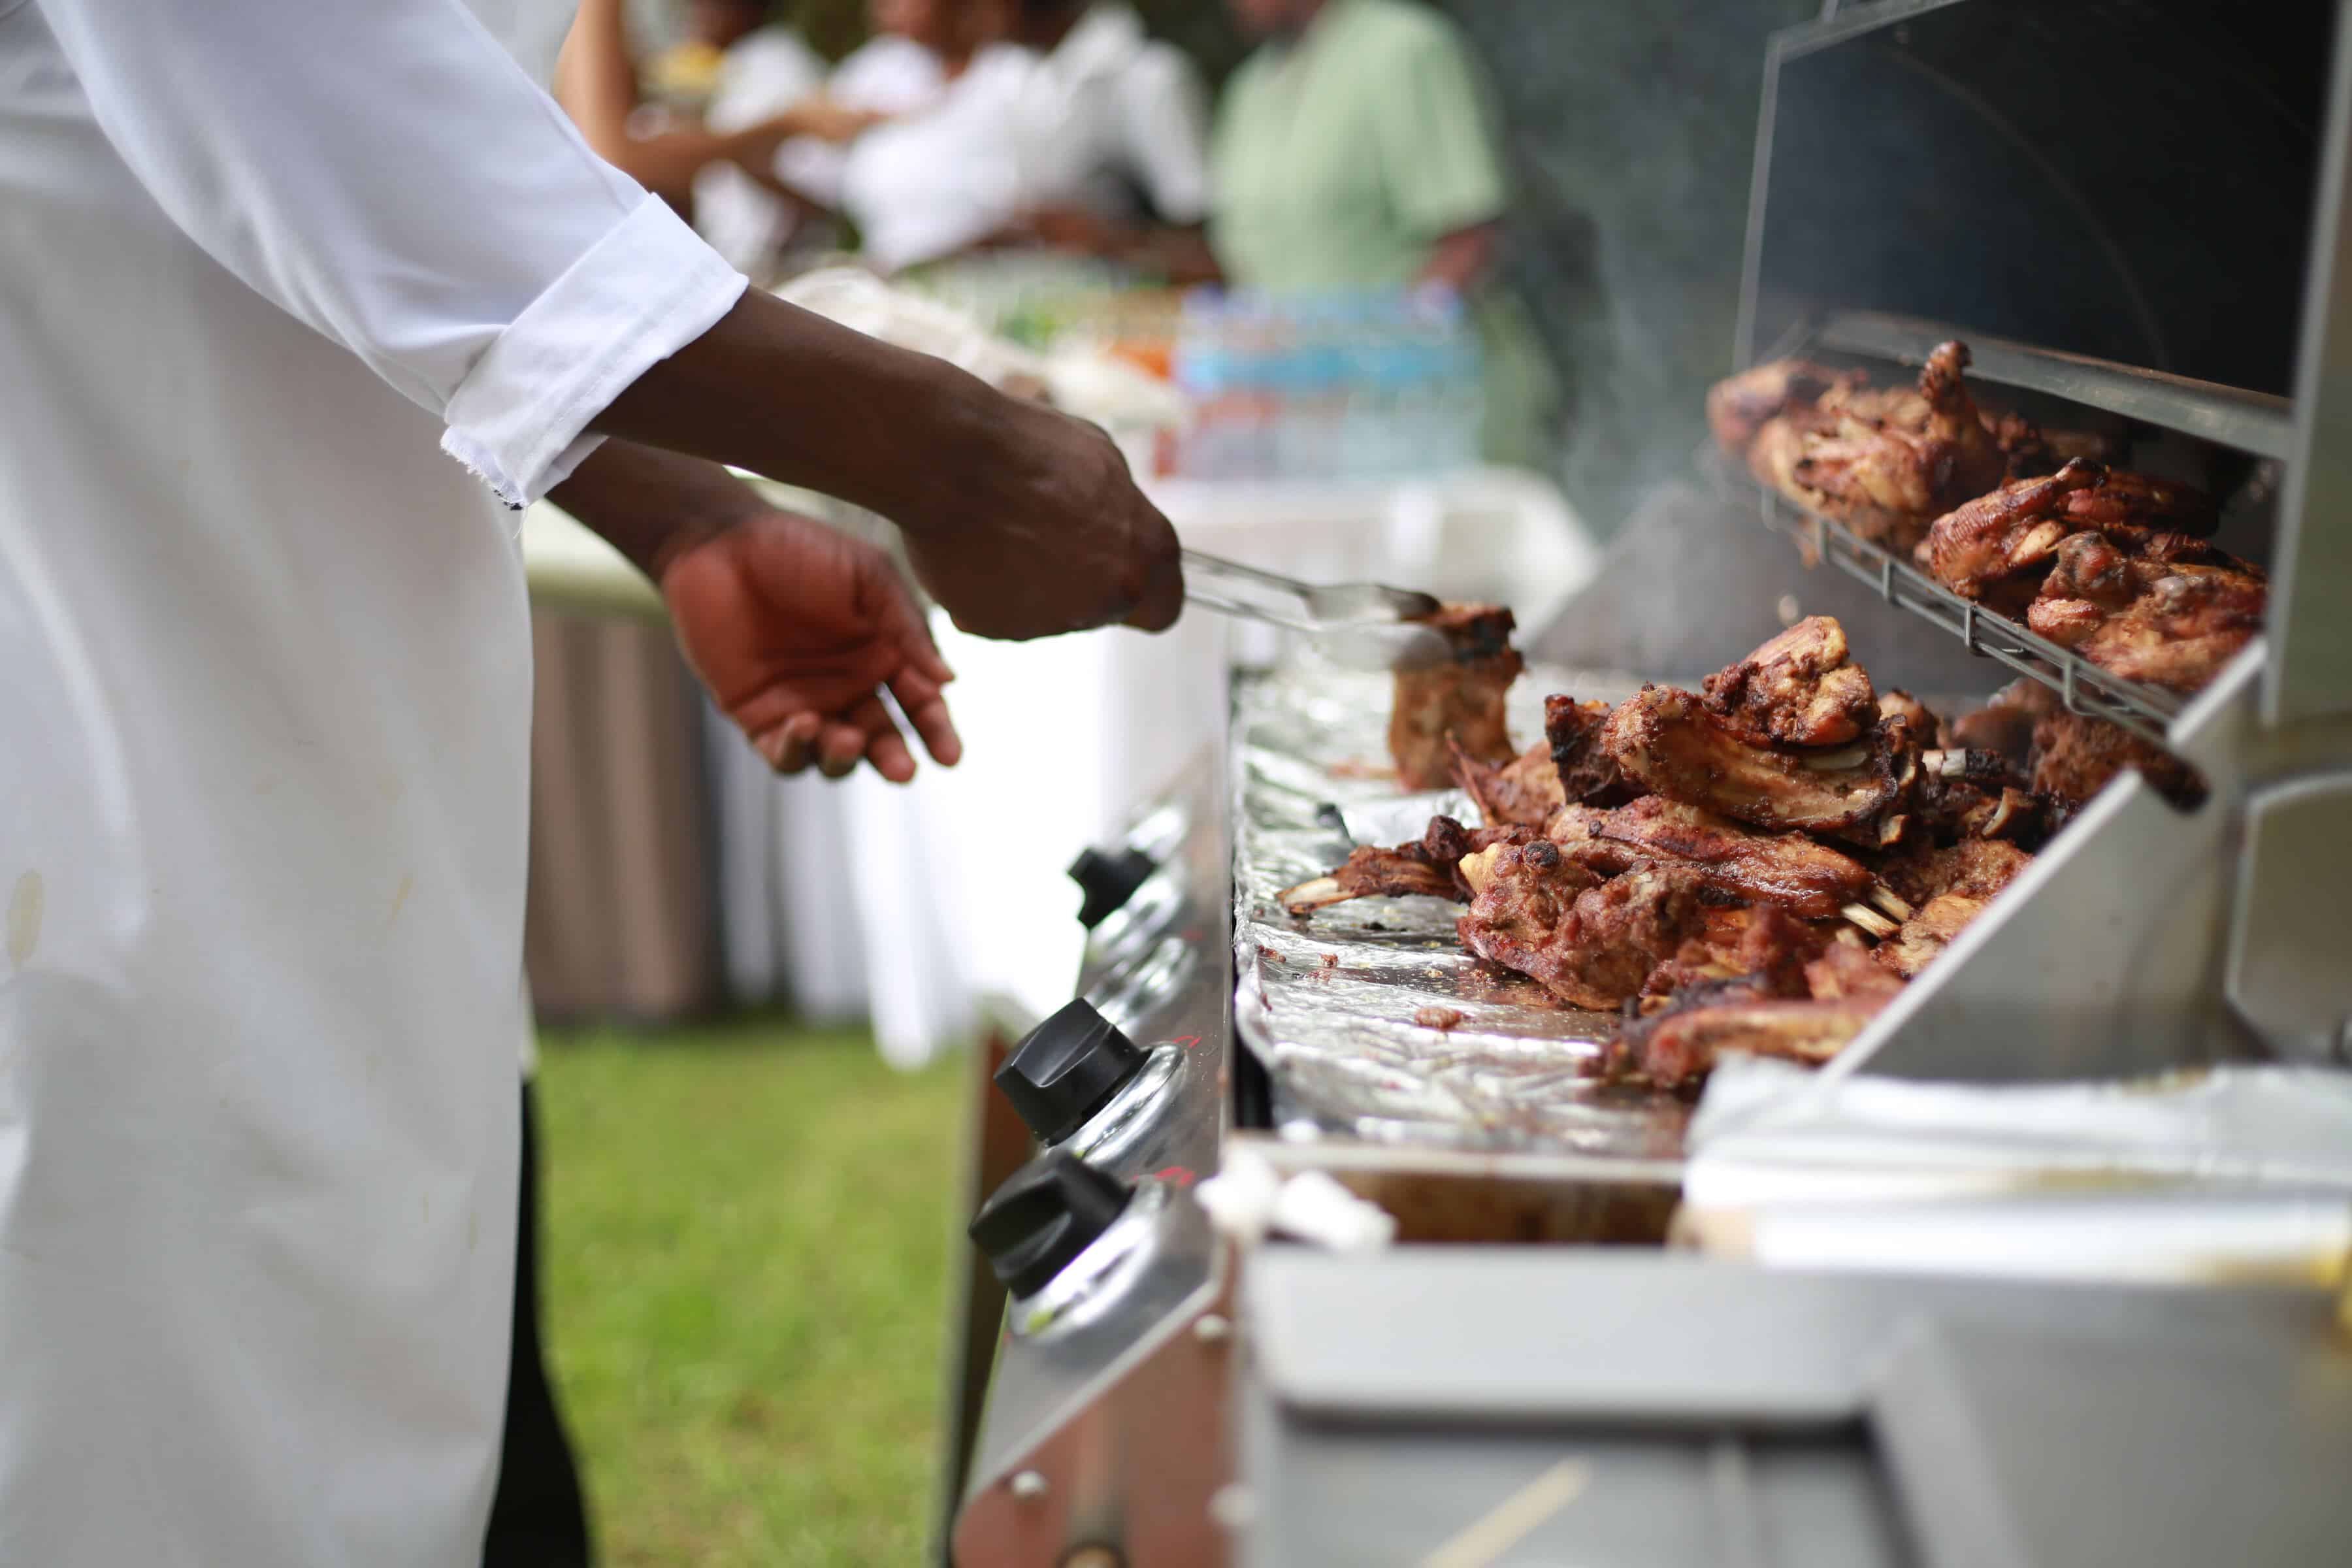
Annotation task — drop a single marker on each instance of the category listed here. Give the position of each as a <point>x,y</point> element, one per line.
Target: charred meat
<point>1577,734</point>
<point>1463,698</point>
<point>1594,947</point>
<point>1525,791</point>
<point>1798,690</point>
<point>2163,623</point>
<point>1429,866</point>
<point>1667,740</point>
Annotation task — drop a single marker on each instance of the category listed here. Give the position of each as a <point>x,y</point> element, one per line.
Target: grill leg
<point>996,1144</point>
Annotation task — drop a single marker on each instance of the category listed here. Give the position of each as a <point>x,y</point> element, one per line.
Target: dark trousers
<point>537,1519</point>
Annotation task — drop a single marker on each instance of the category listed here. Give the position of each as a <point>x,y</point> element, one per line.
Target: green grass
<point>747,1243</point>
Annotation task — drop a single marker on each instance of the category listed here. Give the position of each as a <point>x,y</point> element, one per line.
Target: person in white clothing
<point>767,69</point>
<point>919,47</point>
<point>1074,130</point>
<point>262,836</point>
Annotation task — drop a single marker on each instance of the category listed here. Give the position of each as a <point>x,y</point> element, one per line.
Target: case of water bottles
<point>1354,386</point>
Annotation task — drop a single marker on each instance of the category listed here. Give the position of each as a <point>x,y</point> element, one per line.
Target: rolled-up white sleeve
<point>385,172</point>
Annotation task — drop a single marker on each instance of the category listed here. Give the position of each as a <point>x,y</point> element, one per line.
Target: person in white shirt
<point>1074,130</point>
<point>919,47</point>
<point>262,835</point>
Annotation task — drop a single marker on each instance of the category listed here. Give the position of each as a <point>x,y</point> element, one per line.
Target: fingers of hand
<point>1162,599</point>
<point>919,699</point>
<point>789,747</point>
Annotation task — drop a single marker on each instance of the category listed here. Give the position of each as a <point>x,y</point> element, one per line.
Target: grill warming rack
<point>2227,416</point>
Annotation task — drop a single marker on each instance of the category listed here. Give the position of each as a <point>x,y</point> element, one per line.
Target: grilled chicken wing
<point>1797,689</point>
<point>1995,548</point>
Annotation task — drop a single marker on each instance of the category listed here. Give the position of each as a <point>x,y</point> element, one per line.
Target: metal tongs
<point>1362,626</point>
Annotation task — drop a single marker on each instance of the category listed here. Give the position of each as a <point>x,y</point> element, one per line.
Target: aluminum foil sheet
<point>1372,1021</point>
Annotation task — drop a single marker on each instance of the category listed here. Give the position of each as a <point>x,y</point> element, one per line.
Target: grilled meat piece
<point>1886,465</point>
<point>1463,698</point>
<point>1429,866</point>
<point>2168,624</point>
<point>1926,728</point>
<point>1739,406</point>
<point>1523,792</point>
<point>1976,868</point>
<point>1668,740</point>
<point>2143,503</point>
<point>1798,690</point>
<point>1928,932</point>
<point>2075,757</point>
<point>1677,1048</point>
<point>1785,869</point>
<point>1995,548</point>
<point>1594,947</point>
<point>1847,970</point>
<point>1589,775</point>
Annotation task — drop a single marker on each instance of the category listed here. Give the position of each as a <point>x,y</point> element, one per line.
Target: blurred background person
<point>596,81</point>
<point>1355,152</point>
<point>917,48</point>
<point>1071,130</point>
<point>1113,136</point>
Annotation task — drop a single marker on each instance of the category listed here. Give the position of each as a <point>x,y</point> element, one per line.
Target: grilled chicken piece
<point>1589,775</point>
<point>1677,1048</point>
<point>2143,503</point>
<point>1429,866</point>
<point>1927,933</point>
<point>1885,466</point>
<point>1976,868</point>
<point>1846,970</point>
<point>1523,792</point>
<point>1668,740</point>
<point>1592,946</point>
<point>1738,407</point>
<point>1463,698</point>
<point>1798,690</point>
<point>2168,624</point>
<point>1785,869</point>
<point>2075,757</point>
<point>1995,548</point>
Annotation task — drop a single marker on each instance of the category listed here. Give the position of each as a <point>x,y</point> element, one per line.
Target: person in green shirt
<point>1355,151</point>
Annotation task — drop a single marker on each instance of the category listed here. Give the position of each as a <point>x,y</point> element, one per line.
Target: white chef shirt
<point>764,73</point>
<point>1109,112</point>
<point>263,826</point>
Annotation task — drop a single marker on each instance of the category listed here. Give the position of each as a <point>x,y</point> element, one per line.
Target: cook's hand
<point>1042,531</point>
<point>797,630</point>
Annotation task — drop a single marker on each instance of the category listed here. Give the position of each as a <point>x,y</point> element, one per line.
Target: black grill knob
<point>1049,1212</point>
<point>1067,1068</point>
<point>1109,881</point>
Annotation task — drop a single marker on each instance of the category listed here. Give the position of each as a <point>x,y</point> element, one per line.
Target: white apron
<point>265,677</point>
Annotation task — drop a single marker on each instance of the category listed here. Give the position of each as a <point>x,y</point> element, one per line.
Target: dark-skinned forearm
<point>783,391</point>
<point>653,506</point>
